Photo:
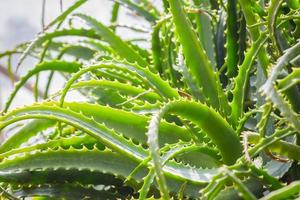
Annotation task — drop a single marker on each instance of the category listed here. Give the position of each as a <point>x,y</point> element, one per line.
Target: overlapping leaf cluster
<point>204,106</point>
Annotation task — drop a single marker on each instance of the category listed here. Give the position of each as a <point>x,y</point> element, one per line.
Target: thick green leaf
<point>121,47</point>
<point>63,66</point>
<point>196,59</point>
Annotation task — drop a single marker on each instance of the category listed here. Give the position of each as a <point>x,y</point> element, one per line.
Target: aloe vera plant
<point>208,108</point>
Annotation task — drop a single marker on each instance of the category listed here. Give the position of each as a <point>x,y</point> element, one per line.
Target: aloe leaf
<point>116,97</point>
<point>272,16</point>
<point>73,174</point>
<point>262,125</point>
<point>62,66</point>
<point>220,42</point>
<point>172,152</point>
<point>154,153</point>
<point>294,5</point>
<point>242,33</point>
<point>241,81</point>
<point>280,147</point>
<point>169,152</point>
<point>268,141</point>
<point>266,178</point>
<point>168,56</point>
<point>166,108</point>
<point>284,193</point>
<point>123,49</point>
<point>58,33</point>
<point>232,39</point>
<point>196,59</point>
<point>230,192</point>
<point>278,169</point>
<point>241,187</point>
<point>64,14</point>
<point>201,114</point>
<point>288,86</point>
<point>145,10</point>
<point>53,160</point>
<point>99,46</point>
<point>77,51</point>
<point>95,166</point>
<point>156,46</point>
<point>190,82</point>
<point>122,75</point>
<point>205,32</point>
<point>59,20</point>
<point>251,19</point>
<point>90,126</point>
<point>131,125</point>
<point>75,141</point>
<point>271,92</point>
<point>54,176</point>
<point>65,191</point>
<point>25,133</point>
<point>6,195</point>
<point>290,80</point>
<point>121,87</point>
<point>213,189</point>
<point>105,136</point>
<point>162,87</point>
<point>218,189</point>
<point>114,14</point>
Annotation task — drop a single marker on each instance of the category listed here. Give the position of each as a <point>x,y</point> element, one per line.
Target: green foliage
<point>207,109</point>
